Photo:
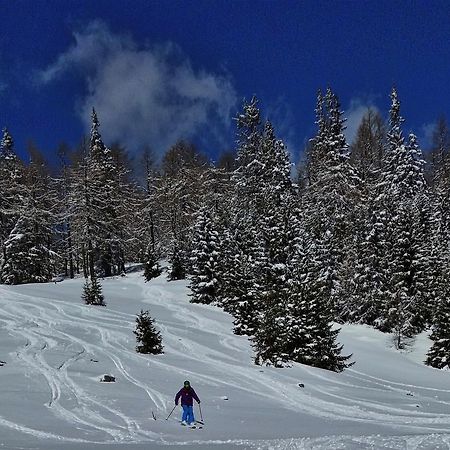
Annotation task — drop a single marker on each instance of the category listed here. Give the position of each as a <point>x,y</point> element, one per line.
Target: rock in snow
<point>108,379</point>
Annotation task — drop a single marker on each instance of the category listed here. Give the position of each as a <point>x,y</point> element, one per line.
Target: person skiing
<point>187,395</point>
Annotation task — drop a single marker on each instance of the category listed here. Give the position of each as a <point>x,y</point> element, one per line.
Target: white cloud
<point>354,114</point>
<point>143,95</point>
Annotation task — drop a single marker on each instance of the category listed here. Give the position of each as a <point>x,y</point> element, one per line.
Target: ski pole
<point>201,415</point>
<point>171,412</point>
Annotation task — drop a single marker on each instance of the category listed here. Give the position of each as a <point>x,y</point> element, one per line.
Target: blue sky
<point>157,71</point>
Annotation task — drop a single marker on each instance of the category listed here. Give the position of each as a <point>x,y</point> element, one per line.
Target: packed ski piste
<point>55,350</point>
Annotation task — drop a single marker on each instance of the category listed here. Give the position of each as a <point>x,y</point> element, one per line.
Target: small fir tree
<point>152,269</point>
<point>148,338</point>
<point>92,293</point>
<point>178,270</point>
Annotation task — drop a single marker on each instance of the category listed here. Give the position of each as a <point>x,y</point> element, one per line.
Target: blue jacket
<point>187,396</point>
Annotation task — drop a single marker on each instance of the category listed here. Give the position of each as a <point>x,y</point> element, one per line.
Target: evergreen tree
<point>178,265</point>
<point>405,197</point>
<point>11,187</point>
<point>26,260</point>
<point>148,338</point>
<point>27,253</point>
<point>245,303</point>
<point>310,324</point>
<point>99,203</point>
<point>204,259</point>
<point>218,205</point>
<point>332,199</point>
<point>152,269</point>
<point>269,340</point>
<point>92,292</point>
<point>439,354</point>
<point>247,269</point>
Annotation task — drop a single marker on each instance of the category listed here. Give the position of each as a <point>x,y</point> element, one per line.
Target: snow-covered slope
<point>56,349</point>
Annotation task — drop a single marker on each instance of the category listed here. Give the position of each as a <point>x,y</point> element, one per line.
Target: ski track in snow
<point>58,335</point>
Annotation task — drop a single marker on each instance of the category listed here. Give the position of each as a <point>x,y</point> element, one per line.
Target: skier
<point>187,395</point>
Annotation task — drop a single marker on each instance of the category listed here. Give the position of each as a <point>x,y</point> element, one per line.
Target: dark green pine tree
<point>178,265</point>
<point>204,259</point>
<point>152,269</point>
<point>92,293</point>
<point>148,338</point>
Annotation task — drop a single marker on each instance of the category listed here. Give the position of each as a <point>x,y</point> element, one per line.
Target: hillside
<point>56,349</point>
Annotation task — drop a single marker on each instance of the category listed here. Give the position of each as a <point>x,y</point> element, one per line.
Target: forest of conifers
<point>358,233</point>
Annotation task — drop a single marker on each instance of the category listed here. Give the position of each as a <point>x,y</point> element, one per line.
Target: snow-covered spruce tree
<point>27,255</point>
<point>245,301</point>
<point>148,338</point>
<point>439,354</point>
<point>101,172</point>
<point>273,341</point>
<point>332,198</point>
<point>218,203</point>
<point>177,261</point>
<point>440,231</point>
<point>369,273</point>
<point>11,187</point>
<point>92,292</point>
<point>365,273</point>
<point>246,275</point>
<point>24,261</point>
<point>269,342</point>
<point>310,334</point>
<point>98,199</point>
<point>204,259</point>
<point>276,225</point>
<point>405,199</point>
<point>152,269</point>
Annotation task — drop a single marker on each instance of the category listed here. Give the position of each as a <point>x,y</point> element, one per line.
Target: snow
<point>56,350</point>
